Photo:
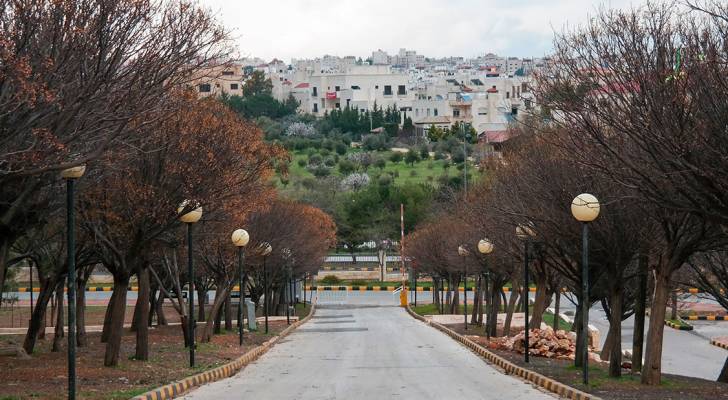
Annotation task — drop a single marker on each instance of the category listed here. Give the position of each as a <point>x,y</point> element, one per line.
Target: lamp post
<point>526,234</point>
<point>585,209</point>
<point>70,175</point>
<point>240,239</point>
<point>485,247</point>
<point>287,286</point>
<point>189,218</point>
<point>265,249</point>
<point>464,252</point>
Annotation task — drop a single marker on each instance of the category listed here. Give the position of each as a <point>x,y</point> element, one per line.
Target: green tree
<point>257,84</point>
<point>411,157</point>
<point>395,157</point>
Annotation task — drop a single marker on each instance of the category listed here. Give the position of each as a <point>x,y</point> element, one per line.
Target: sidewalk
<point>99,328</point>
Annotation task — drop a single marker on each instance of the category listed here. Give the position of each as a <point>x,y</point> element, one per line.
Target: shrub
<point>325,152</point>
<point>424,153</point>
<point>358,282</point>
<point>395,157</point>
<point>411,157</point>
<point>341,148</point>
<point>380,163</point>
<point>329,162</point>
<point>315,159</point>
<point>413,173</point>
<point>346,167</point>
<point>330,280</point>
<point>439,155</point>
<point>301,162</point>
<point>430,165</point>
<point>385,180</point>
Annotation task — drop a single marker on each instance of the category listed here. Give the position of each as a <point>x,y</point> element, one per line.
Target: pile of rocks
<point>544,343</point>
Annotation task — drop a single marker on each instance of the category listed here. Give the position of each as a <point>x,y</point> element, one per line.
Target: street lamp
<point>485,247</point>
<point>585,209</point>
<point>240,239</point>
<point>265,250</point>
<point>70,175</point>
<point>189,218</point>
<point>286,252</point>
<point>464,252</point>
<point>526,234</point>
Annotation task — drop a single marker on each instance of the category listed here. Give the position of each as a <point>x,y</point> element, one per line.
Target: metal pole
<point>241,291</point>
<point>71,252</point>
<point>30,268</point>
<point>415,272</point>
<point>191,287</point>
<point>525,299</point>
<point>265,299</point>
<point>465,295</point>
<point>287,291</point>
<point>488,299</point>
<point>585,301</point>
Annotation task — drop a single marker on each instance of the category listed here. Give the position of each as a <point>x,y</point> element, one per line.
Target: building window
<point>524,87</point>
<point>417,112</point>
<point>355,87</point>
<point>315,107</point>
<point>338,105</point>
<point>348,102</point>
<point>435,112</point>
<point>508,95</point>
<point>401,90</point>
<point>455,113</point>
<point>337,88</point>
<point>514,111</point>
<point>315,92</point>
<point>205,88</point>
<point>233,86</point>
<point>387,90</point>
<point>227,73</point>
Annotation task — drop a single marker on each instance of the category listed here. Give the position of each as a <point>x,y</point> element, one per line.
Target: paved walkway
<point>363,347</point>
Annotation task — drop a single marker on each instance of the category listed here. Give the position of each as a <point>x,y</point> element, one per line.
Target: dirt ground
<point>44,376</point>
<point>628,387</point>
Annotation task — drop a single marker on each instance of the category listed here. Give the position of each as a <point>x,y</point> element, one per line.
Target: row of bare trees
<point>104,84</point>
<point>633,110</point>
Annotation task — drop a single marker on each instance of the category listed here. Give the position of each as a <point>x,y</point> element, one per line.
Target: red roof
<point>302,85</point>
<point>492,90</point>
<point>496,136</point>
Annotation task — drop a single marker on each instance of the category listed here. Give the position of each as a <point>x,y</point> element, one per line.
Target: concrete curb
<point>679,327</point>
<point>180,387</point>
<point>707,318</point>
<point>719,344</point>
<point>508,367</point>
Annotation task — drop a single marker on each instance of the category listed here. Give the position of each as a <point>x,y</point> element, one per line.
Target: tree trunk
<point>161,318</point>
<point>201,300</point>
<point>142,332</point>
<point>577,327</point>
<point>513,301</point>
<point>106,331</point>
<point>152,305</point>
<point>207,331</point>
<point>652,370</point>
<point>37,319</point>
<point>477,303</point>
<point>116,324</point>
<point>4,258</point>
<point>540,303</point>
<point>640,306</point>
<point>228,313</point>
<point>58,336</point>
<point>673,313</point>
<point>615,327</point>
<point>81,337</point>
<point>557,306</point>
<point>185,332</point>
<point>606,352</point>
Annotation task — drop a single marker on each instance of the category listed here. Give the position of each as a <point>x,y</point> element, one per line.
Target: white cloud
<point>309,28</point>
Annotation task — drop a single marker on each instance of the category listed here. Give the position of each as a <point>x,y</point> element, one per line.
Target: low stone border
<point>673,325</point>
<point>180,387</point>
<point>720,344</point>
<point>508,367</point>
<point>707,318</point>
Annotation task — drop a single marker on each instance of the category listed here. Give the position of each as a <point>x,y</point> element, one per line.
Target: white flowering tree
<point>355,181</point>
<point>300,129</point>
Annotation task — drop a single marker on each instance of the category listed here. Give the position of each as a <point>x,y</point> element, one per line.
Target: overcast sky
<point>310,28</point>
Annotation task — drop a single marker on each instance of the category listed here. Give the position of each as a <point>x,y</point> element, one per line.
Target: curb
<point>182,386</point>
<point>719,344</point>
<point>707,318</point>
<point>508,367</point>
<point>679,327</point>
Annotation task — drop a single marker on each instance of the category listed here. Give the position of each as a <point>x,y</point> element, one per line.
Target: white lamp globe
<point>485,246</point>
<point>192,216</point>
<point>73,172</point>
<point>240,237</point>
<point>463,251</point>
<point>585,207</point>
<point>525,231</point>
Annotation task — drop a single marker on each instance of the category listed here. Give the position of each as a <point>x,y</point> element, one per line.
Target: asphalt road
<point>361,346</point>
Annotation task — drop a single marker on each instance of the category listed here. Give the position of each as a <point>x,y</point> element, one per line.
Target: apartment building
<point>220,79</point>
<point>358,87</point>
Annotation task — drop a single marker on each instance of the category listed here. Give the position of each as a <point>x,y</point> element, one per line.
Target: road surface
<point>361,346</point>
